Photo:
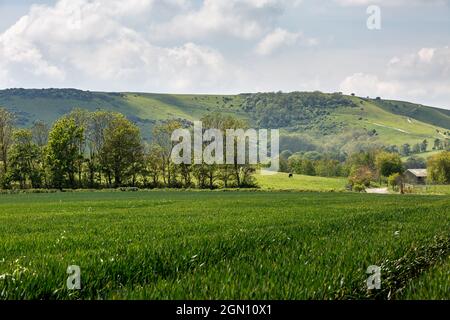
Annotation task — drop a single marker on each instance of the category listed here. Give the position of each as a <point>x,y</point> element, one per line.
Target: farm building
<point>416,176</point>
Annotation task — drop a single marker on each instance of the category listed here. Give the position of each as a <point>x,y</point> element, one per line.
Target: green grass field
<point>221,245</point>
<point>281,181</point>
<point>432,189</point>
<point>436,281</point>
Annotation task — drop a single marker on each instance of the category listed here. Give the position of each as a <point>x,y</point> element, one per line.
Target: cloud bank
<point>227,46</point>
<point>417,76</point>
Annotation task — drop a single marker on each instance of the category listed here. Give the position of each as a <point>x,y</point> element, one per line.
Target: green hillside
<point>438,117</point>
<point>304,118</point>
<point>391,128</point>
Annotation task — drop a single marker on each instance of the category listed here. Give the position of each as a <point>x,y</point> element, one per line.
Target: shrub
<point>362,175</point>
<point>395,180</point>
<point>439,168</point>
<point>359,188</point>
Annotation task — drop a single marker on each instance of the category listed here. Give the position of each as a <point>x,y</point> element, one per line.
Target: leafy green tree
<point>439,168</point>
<point>40,131</point>
<point>23,160</point>
<point>162,138</point>
<point>97,123</point>
<point>200,173</point>
<point>424,146</point>
<point>277,109</point>
<point>388,163</point>
<point>81,118</point>
<point>396,182</point>
<point>362,159</point>
<point>243,174</point>
<point>239,175</point>
<point>186,174</point>
<point>225,175</point>
<point>406,149</point>
<point>63,152</point>
<point>361,176</point>
<point>438,144</point>
<point>295,163</point>
<point>415,163</point>
<point>122,151</point>
<point>328,168</point>
<point>284,156</point>
<point>416,148</point>
<point>308,167</point>
<point>6,132</point>
<point>392,149</point>
<point>312,155</point>
<point>153,165</point>
<point>297,142</point>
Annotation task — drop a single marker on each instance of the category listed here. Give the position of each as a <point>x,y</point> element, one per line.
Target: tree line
<point>104,149</point>
<point>379,165</point>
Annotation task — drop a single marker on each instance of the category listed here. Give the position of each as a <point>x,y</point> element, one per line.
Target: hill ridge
<point>301,115</point>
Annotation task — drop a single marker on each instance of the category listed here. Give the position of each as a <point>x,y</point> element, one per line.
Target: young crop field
<point>223,245</point>
<point>436,282</point>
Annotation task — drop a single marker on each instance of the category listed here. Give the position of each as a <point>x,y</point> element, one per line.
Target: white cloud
<point>426,54</point>
<point>142,45</point>
<point>420,76</point>
<point>82,42</point>
<point>430,64</point>
<point>279,38</point>
<point>17,51</point>
<point>4,77</point>
<point>245,19</point>
<point>220,46</point>
<point>369,85</point>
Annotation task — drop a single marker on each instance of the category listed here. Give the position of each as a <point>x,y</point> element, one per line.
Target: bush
<point>359,188</point>
<point>439,168</point>
<point>362,175</point>
<point>395,180</point>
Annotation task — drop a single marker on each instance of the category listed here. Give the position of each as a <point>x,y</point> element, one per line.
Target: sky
<point>229,46</point>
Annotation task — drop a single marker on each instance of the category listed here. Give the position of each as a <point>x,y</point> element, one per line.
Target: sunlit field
<point>281,181</point>
<point>223,245</point>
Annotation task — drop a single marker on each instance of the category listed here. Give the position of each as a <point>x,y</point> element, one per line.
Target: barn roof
<point>419,173</point>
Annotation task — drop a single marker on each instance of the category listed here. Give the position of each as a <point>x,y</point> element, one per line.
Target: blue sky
<point>229,46</point>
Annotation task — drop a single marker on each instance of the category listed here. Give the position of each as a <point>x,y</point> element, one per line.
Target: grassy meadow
<point>223,245</point>
<point>391,128</point>
<point>281,181</point>
<point>432,189</point>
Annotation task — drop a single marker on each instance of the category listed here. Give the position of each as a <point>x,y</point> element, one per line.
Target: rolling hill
<point>312,119</point>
